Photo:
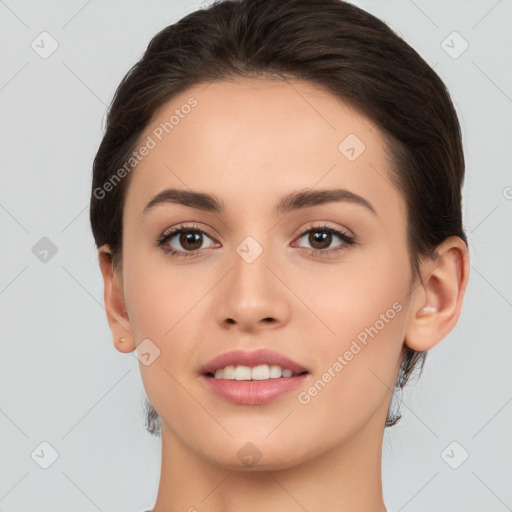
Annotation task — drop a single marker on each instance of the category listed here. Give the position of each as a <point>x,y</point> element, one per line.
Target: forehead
<point>261,138</point>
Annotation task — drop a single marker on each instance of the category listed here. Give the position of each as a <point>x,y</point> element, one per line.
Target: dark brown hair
<point>331,44</point>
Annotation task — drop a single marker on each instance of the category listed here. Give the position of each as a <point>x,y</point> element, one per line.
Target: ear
<point>117,315</point>
<point>437,301</point>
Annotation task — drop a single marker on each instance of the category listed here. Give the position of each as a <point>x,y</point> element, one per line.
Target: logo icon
<point>454,45</point>
<point>351,147</point>
<point>454,455</point>
<point>44,455</point>
<point>146,352</point>
<point>44,250</point>
<point>249,455</point>
<point>249,249</point>
<point>44,45</point>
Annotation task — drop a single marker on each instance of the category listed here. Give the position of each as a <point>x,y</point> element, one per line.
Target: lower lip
<point>253,392</point>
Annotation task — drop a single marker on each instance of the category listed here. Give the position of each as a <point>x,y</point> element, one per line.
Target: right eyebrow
<point>197,200</point>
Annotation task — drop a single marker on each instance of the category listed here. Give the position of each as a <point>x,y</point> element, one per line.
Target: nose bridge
<point>253,295</point>
<point>251,276</point>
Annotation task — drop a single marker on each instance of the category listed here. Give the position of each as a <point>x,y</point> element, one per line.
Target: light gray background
<point>61,380</point>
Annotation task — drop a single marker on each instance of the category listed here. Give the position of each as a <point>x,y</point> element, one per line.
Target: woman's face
<point>266,270</point>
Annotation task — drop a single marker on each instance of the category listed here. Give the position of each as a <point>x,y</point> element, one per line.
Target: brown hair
<point>331,44</point>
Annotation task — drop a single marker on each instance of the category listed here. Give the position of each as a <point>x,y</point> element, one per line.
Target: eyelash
<point>165,237</point>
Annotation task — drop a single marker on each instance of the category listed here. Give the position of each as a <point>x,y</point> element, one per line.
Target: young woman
<point>277,208</point>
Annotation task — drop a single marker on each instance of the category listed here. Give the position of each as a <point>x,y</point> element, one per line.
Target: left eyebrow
<point>297,200</point>
<point>290,202</point>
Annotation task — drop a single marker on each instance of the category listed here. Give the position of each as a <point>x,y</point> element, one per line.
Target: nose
<point>253,296</point>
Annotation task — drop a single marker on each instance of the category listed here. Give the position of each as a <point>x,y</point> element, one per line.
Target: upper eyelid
<point>193,227</point>
<point>324,227</point>
<point>182,227</point>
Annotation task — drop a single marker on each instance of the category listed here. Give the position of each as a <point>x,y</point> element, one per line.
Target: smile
<point>252,377</point>
<point>261,372</point>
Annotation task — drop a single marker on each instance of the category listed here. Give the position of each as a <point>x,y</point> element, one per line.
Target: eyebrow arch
<point>290,202</point>
<point>302,199</point>
<point>198,200</point>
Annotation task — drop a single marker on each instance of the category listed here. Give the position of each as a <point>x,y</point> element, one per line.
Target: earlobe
<point>437,301</point>
<point>117,315</point>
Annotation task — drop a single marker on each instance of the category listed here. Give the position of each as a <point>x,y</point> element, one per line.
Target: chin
<point>242,454</point>
<point>267,462</point>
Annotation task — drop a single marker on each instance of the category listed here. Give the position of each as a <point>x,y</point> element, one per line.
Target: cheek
<point>360,320</point>
<point>357,366</point>
<point>344,299</point>
<point>161,305</point>
<point>166,306</point>
<point>155,295</point>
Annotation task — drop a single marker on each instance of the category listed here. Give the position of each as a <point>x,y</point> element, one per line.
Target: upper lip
<point>251,359</point>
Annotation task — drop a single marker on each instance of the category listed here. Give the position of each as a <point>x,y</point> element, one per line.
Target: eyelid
<point>186,227</point>
<point>346,238</point>
<point>324,226</point>
<point>170,233</point>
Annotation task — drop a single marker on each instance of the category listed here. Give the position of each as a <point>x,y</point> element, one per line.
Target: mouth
<point>259,364</point>
<point>252,378</point>
<point>260,372</point>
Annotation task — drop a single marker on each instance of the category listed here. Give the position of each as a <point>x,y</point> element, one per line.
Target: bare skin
<point>249,143</point>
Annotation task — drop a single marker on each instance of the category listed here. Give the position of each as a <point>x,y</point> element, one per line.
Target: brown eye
<point>191,240</point>
<point>320,239</point>
<point>184,241</point>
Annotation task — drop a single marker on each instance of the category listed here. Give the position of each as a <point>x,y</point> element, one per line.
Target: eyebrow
<point>289,203</point>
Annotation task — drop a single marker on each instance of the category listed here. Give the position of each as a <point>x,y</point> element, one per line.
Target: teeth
<point>242,373</point>
<point>261,372</point>
<point>275,371</point>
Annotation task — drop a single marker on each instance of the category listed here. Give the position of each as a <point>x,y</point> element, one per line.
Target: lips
<point>251,359</point>
<point>253,392</point>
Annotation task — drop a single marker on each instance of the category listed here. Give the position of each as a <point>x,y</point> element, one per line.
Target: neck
<point>346,477</point>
